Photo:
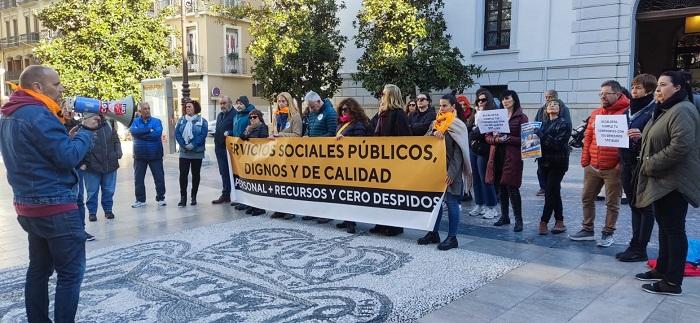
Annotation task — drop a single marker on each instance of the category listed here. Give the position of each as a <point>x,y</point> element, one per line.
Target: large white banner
<point>397,181</point>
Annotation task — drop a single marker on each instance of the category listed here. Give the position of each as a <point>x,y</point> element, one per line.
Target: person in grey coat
<point>669,178</point>
<point>99,169</point>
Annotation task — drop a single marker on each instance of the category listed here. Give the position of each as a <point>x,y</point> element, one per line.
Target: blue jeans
<point>452,202</point>
<point>483,193</point>
<point>81,195</point>
<point>55,243</point>
<point>158,173</point>
<point>222,160</point>
<point>95,182</point>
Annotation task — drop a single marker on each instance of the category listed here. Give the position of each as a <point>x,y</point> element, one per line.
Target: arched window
<point>657,5</point>
<point>497,24</point>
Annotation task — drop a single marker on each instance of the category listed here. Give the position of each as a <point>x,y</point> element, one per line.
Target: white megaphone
<point>121,110</point>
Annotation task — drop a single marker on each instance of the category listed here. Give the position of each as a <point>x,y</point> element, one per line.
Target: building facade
<point>571,46</point>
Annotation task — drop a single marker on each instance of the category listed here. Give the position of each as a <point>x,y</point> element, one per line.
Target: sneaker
<point>161,203</point>
<point>649,276</point>
<point>323,220</point>
<point>477,210</point>
<point>307,218</point>
<point>109,215</point>
<point>582,235</point>
<point>606,240</point>
<point>257,212</point>
<point>90,237</point>
<point>138,204</point>
<point>540,192</point>
<point>490,213</point>
<point>634,256</point>
<point>277,215</point>
<point>663,288</point>
<point>92,217</point>
<point>289,216</point>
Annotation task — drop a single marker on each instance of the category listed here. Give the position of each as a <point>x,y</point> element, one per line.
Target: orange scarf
<point>443,121</point>
<point>284,110</point>
<point>47,101</point>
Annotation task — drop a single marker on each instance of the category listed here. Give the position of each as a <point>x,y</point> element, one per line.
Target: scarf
<point>284,110</point>
<point>670,102</point>
<point>443,121</point>
<point>345,118</point>
<point>187,133</point>
<point>49,102</point>
<point>639,104</point>
<point>460,134</point>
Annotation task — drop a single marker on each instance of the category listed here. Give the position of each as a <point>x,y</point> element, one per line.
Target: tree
<point>405,44</point>
<point>104,48</point>
<point>296,45</point>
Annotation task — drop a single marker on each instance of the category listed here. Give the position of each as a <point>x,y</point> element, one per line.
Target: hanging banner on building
<point>490,121</point>
<point>529,141</point>
<point>396,181</point>
<point>611,131</point>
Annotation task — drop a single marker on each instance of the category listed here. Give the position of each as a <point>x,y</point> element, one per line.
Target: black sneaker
<point>277,215</point>
<point>257,212</point>
<point>307,218</point>
<point>109,215</point>
<point>342,225</point>
<point>241,207</point>
<point>634,256</point>
<point>649,276</point>
<point>92,217</point>
<point>90,237</point>
<point>289,216</point>
<point>323,220</point>
<point>663,288</point>
<point>624,253</point>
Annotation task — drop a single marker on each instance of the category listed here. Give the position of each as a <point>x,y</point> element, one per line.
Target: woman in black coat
<point>352,122</point>
<point>554,138</point>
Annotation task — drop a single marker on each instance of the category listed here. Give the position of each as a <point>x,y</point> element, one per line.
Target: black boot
<point>430,237</point>
<point>350,228</point>
<point>449,243</point>
<point>183,201</point>
<point>502,221</point>
<point>194,201</point>
<point>518,223</point>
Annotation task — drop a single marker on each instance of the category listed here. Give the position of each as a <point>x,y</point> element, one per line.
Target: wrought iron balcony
<point>6,4</point>
<point>29,38</point>
<point>231,65</point>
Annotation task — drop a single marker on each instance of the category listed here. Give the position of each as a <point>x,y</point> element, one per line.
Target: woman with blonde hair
<point>287,121</point>
<point>391,120</point>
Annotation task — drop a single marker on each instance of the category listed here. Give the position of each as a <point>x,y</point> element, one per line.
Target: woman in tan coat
<point>287,123</point>
<point>669,178</point>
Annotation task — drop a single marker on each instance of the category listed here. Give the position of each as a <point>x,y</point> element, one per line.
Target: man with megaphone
<point>40,157</point>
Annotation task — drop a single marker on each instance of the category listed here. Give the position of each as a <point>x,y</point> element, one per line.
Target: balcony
<point>234,66</point>
<point>6,4</point>
<point>195,65</point>
<point>29,38</point>
<point>190,5</point>
<point>9,42</point>
<point>24,1</point>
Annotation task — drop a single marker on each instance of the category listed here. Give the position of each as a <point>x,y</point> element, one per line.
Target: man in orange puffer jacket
<point>601,167</point>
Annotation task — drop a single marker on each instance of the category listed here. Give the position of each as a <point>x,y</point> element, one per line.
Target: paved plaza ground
<point>553,280</point>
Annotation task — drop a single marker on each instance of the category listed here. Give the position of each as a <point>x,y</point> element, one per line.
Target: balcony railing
<point>29,38</point>
<point>9,42</point>
<point>233,66</point>
<point>6,4</point>
<point>195,65</point>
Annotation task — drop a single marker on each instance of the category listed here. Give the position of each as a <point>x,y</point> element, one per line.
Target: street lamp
<point>185,67</point>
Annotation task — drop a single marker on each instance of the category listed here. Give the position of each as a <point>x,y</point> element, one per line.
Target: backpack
<point>578,133</point>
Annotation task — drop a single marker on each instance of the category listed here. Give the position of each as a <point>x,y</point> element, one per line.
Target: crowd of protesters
<point>74,162</point>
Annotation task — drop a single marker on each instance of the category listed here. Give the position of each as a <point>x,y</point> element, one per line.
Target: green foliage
<point>405,44</point>
<point>105,48</point>
<point>296,45</point>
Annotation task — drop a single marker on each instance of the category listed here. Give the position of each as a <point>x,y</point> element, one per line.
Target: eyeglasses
<point>422,99</point>
<point>345,109</point>
<point>481,100</point>
<point>253,117</point>
<point>411,104</point>
<point>602,94</point>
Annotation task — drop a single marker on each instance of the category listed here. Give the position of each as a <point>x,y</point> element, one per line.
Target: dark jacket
<point>455,165</point>
<point>281,121</point>
<point>39,156</point>
<point>554,138</point>
<point>638,116</point>
<point>147,141</point>
<point>392,122</point>
<point>477,142</point>
<point>224,123</point>
<point>505,165</point>
<point>323,123</point>
<point>419,122</point>
<point>104,157</point>
<point>260,131</point>
<point>356,129</point>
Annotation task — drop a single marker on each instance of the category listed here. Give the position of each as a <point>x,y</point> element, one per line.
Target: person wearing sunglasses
<point>542,116</point>
<point>410,107</point>
<point>420,120</point>
<point>255,129</point>
<point>484,193</point>
<point>352,122</point>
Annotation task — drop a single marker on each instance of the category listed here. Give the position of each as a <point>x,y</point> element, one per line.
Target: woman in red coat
<point>505,166</point>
